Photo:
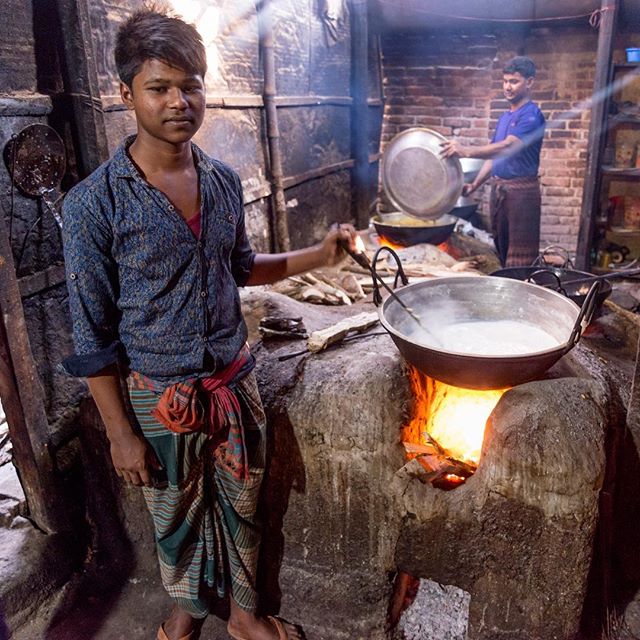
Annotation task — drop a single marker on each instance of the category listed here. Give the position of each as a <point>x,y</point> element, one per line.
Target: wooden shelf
<point>624,119</point>
<point>621,231</point>
<point>620,173</point>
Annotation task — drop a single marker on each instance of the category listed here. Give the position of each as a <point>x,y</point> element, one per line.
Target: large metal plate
<point>414,176</point>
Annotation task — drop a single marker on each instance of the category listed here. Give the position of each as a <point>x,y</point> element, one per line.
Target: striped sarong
<point>515,220</point>
<point>204,501</point>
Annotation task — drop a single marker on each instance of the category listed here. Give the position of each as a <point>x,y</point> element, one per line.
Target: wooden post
<point>597,129</point>
<point>23,401</point>
<point>280,228</point>
<point>81,83</point>
<point>360,111</point>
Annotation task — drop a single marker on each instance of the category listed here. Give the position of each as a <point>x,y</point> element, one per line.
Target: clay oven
<point>517,535</point>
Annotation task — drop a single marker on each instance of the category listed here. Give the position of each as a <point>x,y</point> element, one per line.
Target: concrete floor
<point>133,615</point>
<point>34,594</point>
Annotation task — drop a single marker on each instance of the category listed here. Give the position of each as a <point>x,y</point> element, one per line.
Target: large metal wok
<point>406,231</point>
<point>570,282</point>
<point>481,298</point>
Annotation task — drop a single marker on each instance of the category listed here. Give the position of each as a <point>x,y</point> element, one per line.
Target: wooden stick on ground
<point>320,340</point>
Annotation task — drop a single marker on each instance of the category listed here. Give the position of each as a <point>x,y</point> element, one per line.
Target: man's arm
<point>510,145</point>
<point>481,178</point>
<point>132,456</point>
<point>269,268</point>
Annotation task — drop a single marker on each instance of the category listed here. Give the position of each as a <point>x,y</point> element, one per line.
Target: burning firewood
<point>432,464</point>
<point>412,447</point>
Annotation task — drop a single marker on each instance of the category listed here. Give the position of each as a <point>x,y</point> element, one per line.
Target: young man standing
<point>513,159</point>
<point>155,249</point>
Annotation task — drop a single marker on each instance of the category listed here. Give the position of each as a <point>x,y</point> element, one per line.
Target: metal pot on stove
<point>481,332</point>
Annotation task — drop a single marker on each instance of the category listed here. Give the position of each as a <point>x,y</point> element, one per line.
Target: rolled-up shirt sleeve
<point>242,256</point>
<point>92,284</point>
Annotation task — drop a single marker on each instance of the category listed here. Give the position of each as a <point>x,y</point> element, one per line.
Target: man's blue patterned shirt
<point>142,288</point>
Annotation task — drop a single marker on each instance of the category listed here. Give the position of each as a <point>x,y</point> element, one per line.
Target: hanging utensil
<point>36,161</point>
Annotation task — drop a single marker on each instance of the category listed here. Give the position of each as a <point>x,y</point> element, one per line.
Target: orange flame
<point>454,418</point>
<point>383,242</point>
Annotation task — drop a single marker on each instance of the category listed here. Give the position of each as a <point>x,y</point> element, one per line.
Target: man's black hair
<point>151,33</point>
<point>522,65</point>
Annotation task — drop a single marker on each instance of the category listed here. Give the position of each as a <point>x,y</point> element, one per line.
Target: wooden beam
<point>247,101</point>
<point>258,193</point>
<point>81,84</point>
<point>41,281</point>
<point>312,174</point>
<point>597,133</point>
<point>33,104</point>
<point>24,401</point>
<point>360,110</point>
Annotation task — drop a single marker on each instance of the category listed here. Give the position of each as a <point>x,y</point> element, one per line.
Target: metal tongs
<point>360,257</point>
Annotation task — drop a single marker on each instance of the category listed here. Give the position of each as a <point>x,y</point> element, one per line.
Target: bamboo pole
<point>360,111</point>
<point>279,226</point>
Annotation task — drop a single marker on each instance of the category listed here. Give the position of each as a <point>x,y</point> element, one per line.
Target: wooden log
<point>413,447</point>
<point>320,340</point>
<point>24,402</point>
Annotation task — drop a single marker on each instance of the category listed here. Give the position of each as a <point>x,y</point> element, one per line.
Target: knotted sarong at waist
<point>205,404</point>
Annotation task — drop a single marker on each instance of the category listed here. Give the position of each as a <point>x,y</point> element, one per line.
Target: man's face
<point>169,103</point>
<point>516,87</point>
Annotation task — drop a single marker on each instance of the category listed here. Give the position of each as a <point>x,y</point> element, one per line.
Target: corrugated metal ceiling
<point>430,13</point>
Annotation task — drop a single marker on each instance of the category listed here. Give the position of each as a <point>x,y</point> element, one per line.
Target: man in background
<point>512,160</point>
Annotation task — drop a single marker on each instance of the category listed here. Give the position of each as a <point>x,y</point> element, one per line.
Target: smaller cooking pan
<point>405,231</point>
<point>560,280</point>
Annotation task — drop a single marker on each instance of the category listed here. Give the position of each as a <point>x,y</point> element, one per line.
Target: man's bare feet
<point>244,625</point>
<point>180,625</point>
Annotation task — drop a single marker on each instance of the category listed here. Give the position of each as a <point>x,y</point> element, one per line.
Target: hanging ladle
<point>35,158</point>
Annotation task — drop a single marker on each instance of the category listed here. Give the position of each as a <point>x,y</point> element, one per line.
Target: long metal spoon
<point>361,259</point>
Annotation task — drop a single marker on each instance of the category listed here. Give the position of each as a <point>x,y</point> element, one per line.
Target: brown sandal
<point>276,622</point>
<point>163,636</point>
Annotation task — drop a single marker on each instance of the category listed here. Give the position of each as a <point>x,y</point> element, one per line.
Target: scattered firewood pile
<point>349,282</point>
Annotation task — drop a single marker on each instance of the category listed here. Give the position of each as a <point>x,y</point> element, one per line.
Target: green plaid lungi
<point>206,531</point>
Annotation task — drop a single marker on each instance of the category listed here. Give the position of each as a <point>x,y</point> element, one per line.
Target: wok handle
<point>559,287</point>
<point>553,250</point>
<point>377,297</point>
<point>585,315</point>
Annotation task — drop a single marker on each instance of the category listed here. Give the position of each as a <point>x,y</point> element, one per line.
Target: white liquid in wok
<point>494,338</point>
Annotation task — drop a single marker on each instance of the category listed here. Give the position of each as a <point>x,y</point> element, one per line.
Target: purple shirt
<point>526,123</point>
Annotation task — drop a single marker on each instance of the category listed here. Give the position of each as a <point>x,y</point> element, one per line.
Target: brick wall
<point>452,82</point>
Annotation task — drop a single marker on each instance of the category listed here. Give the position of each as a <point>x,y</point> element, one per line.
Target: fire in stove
<point>385,242</point>
<point>446,429</point>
